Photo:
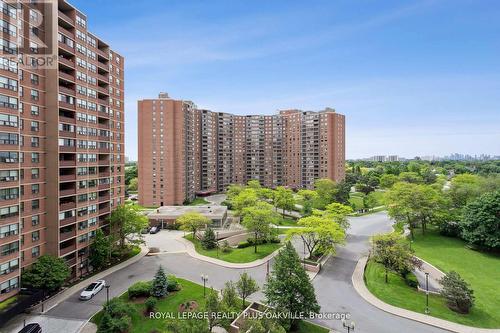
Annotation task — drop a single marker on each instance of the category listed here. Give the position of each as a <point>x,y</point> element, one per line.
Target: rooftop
<point>212,212</point>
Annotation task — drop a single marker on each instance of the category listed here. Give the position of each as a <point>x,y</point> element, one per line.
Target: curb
<point>359,285</point>
<point>190,249</point>
<point>62,296</point>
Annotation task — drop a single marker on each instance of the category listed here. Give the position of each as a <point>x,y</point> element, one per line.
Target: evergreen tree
<point>209,241</point>
<point>288,288</point>
<point>159,287</point>
<point>459,296</point>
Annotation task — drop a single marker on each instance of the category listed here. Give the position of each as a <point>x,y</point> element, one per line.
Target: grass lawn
<point>198,202</point>
<point>481,270</point>
<point>5,304</point>
<point>246,254</point>
<point>287,221</point>
<point>189,292</point>
<point>399,294</point>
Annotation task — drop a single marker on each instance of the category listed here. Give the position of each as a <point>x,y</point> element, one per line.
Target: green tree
<point>288,287</point>
<point>308,197</point>
<point>190,325</point>
<point>246,286</point>
<point>127,222</point>
<point>364,188</point>
<point>261,325</point>
<point>326,192</point>
<point>410,177</point>
<point>480,223</point>
<point>133,185</point>
<point>100,250</point>
<point>257,219</point>
<point>230,296</point>
<point>338,213</point>
<point>47,273</point>
<point>456,291</point>
<point>159,287</point>
<point>130,173</point>
<point>464,188</point>
<point>370,201</point>
<point>192,221</point>
<point>387,180</point>
<point>209,240</point>
<point>283,199</point>
<point>246,198</point>
<point>319,234</point>
<point>393,254</point>
<point>401,204</point>
<point>213,308</point>
<point>233,190</point>
<point>254,184</point>
<point>342,190</point>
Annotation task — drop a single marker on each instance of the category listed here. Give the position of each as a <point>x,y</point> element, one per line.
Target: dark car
<point>154,230</point>
<point>31,328</point>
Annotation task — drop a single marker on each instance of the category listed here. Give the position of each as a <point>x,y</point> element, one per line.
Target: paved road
<point>333,285</point>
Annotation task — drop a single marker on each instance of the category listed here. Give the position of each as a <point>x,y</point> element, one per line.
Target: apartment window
<point>9,193</point>
<point>11,284</point>
<point>9,230</point>
<point>35,141</point>
<point>35,126</point>
<point>7,64</point>
<point>8,249</point>
<point>9,267</point>
<point>8,83</point>
<point>35,236</point>
<point>35,173</point>
<point>35,157</point>
<point>35,204</point>
<point>8,46</point>
<point>9,139</point>
<point>34,95</point>
<point>9,157</point>
<point>81,21</point>
<point>35,79</point>
<point>35,188</point>
<point>9,175</point>
<point>35,220</point>
<point>8,120</point>
<point>35,110</point>
<point>35,251</point>
<point>8,102</point>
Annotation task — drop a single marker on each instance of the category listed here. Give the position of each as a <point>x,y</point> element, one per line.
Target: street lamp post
<point>217,244</point>
<point>107,293</point>
<point>427,293</point>
<point>349,327</point>
<point>304,258</point>
<point>204,278</point>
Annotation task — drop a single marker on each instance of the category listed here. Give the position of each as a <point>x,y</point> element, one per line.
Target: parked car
<point>31,328</point>
<point>92,289</point>
<point>154,230</point>
<point>146,230</point>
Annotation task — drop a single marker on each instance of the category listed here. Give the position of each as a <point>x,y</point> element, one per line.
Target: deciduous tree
<point>127,223</point>
<point>193,221</point>
<point>246,286</point>
<point>48,273</point>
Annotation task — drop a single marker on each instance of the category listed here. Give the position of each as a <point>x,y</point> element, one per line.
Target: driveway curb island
<point>360,287</point>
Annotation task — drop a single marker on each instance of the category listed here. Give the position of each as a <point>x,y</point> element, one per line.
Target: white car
<point>92,289</point>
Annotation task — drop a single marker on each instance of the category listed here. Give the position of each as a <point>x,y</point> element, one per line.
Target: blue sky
<point>412,77</point>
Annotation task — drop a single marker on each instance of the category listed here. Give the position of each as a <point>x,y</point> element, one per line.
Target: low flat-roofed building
<point>167,215</point>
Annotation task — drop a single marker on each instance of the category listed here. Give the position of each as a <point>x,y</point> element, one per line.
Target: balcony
<point>66,18</point>
<point>67,91</point>
<point>103,54</point>
<point>103,90</point>
<point>103,187</point>
<point>67,148</point>
<point>66,47</point>
<point>104,174</point>
<point>103,126</point>
<point>67,134</point>
<point>67,163</point>
<point>67,221</point>
<point>66,105</point>
<point>103,78</point>
<point>67,235</point>
<point>104,150</point>
<point>103,162</point>
<point>66,31</point>
<point>104,198</point>
<point>66,76</point>
<point>67,206</point>
<point>71,191</point>
<point>71,262</point>
<point>66,250</point>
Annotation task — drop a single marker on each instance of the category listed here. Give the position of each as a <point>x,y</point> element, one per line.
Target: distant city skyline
<point>406,88</point>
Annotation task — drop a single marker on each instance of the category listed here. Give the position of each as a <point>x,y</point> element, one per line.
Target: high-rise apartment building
<point>61,138</point>
<point>185,151</point>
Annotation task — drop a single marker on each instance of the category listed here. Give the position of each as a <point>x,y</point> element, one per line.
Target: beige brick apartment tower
<point>61,140</point>
<point>185,151</point>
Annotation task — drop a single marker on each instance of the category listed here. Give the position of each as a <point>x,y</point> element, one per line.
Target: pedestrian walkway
<point>435,275</point>
<point>360,287</point>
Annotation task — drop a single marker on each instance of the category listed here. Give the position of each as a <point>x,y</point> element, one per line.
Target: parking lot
<point>166,240</point>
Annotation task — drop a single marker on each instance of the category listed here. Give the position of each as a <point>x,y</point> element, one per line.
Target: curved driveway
<point>333,285</point>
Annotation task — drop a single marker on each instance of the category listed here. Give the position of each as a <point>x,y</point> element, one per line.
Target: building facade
<point>61,139</point>
<point>185,151</point>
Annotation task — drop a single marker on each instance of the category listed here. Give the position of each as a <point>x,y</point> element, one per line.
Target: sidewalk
<point>63,295</point>
<point>360,287</point>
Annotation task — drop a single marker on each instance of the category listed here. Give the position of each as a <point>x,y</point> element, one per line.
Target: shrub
<point>209,241</point>
<point>111,324</point>
<point>225,248</point>
<point>411,280</point>
<point>140,289</point>
<point>458,295</point>
<point>242,245</point>
<point>159,286</point>
<point>118,308</point>
<point>172,283</point>
<point>150,304</point>
<point>450,228</point>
